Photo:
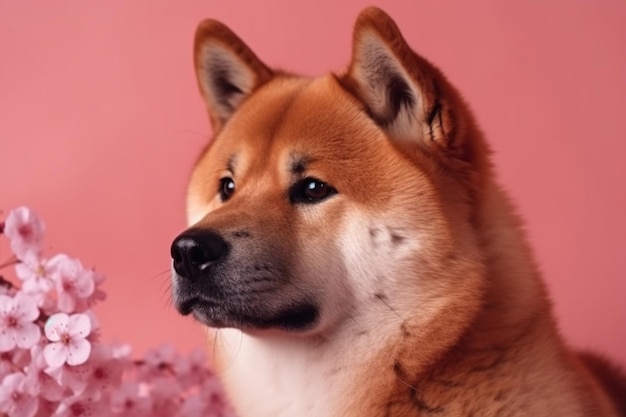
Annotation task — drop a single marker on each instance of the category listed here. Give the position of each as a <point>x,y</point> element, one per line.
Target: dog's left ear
<point>227,70</point>
<point>403,93</point>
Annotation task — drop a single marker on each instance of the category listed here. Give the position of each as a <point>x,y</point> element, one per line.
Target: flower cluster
<point>52,362</point>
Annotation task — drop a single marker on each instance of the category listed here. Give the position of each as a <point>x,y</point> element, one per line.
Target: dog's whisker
<point>160,274</point>
<point>226,347</point>
<point>217,333</point>
<point>166,285</point>
<point>166,293</point>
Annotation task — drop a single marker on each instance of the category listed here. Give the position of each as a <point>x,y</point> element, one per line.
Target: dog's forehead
<point>295,123</point>
<point>322,114</point>
<point>292,121</point>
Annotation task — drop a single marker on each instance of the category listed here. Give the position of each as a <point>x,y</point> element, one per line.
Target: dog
<point>349,242</point>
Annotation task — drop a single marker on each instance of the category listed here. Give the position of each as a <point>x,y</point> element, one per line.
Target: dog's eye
<point>227,188</point>
<point>310,190</point>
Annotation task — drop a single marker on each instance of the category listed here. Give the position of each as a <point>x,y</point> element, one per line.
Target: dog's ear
<point>227,70</point>
<point>403,93</point>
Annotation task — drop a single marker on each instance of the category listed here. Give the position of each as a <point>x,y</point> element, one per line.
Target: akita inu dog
<point>347,236</point>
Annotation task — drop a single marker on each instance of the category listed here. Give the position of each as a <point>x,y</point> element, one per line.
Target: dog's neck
<point>515,312</point>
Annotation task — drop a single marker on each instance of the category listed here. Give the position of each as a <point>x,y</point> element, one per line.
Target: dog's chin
<point>294,317</point>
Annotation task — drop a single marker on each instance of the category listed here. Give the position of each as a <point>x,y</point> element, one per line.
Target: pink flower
<point>82,406</point>
<point>39,382</point>
<point>74,284</point>
<point>213,393</point>
<point>36,275</point>
<point>16,322</point>
<point>72,377</point>
<point>164,394</point>
<point>25,232</point>
<point>121,350</point>
<point>127,401</point>
<point>193,406</point>
<point>47,408</point>
<point>159,362</point>
<point>68,334</point>
<point>12,360</point>
<point>6,364</point>
<point>191,370</point>
<point>94,336</point>
<point>164,356</point>
<point>106,371</point>
<point>14,400</point>
<point>69,372</point>
<point>98,294</point>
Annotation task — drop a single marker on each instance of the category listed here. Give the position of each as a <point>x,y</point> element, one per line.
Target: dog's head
<point>346,198</point>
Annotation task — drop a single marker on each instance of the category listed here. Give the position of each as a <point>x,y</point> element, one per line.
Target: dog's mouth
<point>293,317</point>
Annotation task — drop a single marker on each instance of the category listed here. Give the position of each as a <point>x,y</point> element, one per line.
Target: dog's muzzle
<point>236,284</point>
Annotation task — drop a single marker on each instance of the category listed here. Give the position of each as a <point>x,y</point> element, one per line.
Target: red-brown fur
<point>463,325</point>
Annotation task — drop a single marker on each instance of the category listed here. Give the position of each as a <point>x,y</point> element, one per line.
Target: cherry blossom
<point>74,284</point>
<point>13,360</point>
<point>38,381</point>
<point>212,392</point>
<point>52,360</point>
<point>47,408</point>
<point>97,294</point>
<point>127,401</point>
<point>6,363</point>
<point>165,393</point>
<point>14,399</point>
<point>106,371</point>
<point>68,334</point>
<point>121,351</point>
<point>25,232</point>
<point>164,356</point>
<point>82,406</point>
<point>160,362</point>
<point>16,322</point>
<point>193,406</point>
<point>192,369</point>
<point>36,275</point>
<point>73,377</point>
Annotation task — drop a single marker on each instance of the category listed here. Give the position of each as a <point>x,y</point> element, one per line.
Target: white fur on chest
<point>279,377</point>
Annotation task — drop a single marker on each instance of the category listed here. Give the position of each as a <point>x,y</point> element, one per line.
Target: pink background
<point>100,120</point>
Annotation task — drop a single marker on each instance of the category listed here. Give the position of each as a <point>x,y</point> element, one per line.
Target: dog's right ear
<point>226,69</point>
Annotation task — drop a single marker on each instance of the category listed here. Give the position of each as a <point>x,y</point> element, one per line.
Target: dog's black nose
<point>193,251</point>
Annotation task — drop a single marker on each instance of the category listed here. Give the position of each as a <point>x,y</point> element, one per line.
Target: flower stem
<point>6,283</point>
<point>12,261</point>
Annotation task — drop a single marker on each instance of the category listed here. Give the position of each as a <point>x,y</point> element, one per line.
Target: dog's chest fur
<point>280,378</point>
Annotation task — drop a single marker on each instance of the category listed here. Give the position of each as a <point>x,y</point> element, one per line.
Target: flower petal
<point>56,325</point>
<point>79,350</point>
<point>26,406</point>
<point>25,271</point>
<point>26,307</point>
<point>55,354</point>
<point>25,232</point>
<point>6,304</point>
<point>7,340</point>
<point>27,335</point>
<point>66,301</point>
<point>85,283</point>
<point>79,325</point>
